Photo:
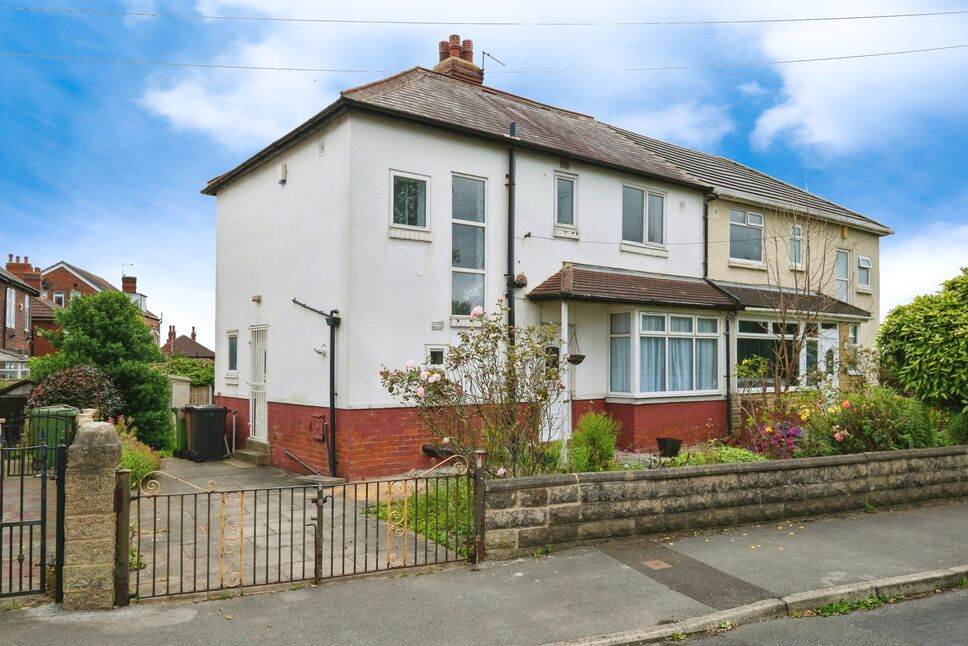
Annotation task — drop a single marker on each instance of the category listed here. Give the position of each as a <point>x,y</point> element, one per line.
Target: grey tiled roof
<point>768,298</point>
<point>732,179</point>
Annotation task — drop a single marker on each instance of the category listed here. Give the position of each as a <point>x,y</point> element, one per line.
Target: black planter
<point>668,446</point>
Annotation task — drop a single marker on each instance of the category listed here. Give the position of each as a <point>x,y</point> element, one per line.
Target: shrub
<point>715,453</point>
<point>779,440</point>
<point>875,420</point>
<point>147,397</point>
<point>135,455</point>
<point>592,446</point>
<point>81,386</point>
<point>200,371</point>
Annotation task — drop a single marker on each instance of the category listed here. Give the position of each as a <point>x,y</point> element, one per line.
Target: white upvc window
<point>643,216</point>
<point>26,313</point>
<point>678,353</point>
<point>566,202</point>
<point>468,243</point>
<point>745,236</point>
<point>409,200</point>
<point>620,352</point>
<point>796,246</point>
<point>864,266</point>
<point>59,297</point>
<point>436,355</point>
<point>842,275</point>
<point>11,308</point>
<point>232,367</point>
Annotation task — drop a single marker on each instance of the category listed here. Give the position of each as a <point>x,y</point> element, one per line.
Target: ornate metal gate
<point>28,521</point>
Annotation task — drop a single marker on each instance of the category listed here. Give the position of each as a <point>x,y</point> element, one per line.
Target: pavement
<point>603,589</point>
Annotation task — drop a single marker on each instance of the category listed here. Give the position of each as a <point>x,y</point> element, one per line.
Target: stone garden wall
<point>523,514</point>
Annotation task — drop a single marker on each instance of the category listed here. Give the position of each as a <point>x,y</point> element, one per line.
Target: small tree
<point>80,386</point>
<point>924,345</point>
<point>108,331</point>
<point>490,393</point>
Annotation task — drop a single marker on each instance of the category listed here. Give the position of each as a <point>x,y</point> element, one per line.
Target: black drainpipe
<point>512,172</point>
<point>705,235</point>
<point>729,379</point>
<point>332,321</point>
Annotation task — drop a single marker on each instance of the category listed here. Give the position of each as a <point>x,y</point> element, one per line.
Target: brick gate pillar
<point>89,517</point>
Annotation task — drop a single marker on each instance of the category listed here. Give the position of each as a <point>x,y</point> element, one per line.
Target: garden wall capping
<point>522,514</point>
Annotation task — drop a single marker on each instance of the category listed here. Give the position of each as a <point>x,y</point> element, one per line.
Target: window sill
<point>644,249</point>
<point>658,398</point>
<point>461,321</point>
<point>232,378</point>
<point>569,233</point>
<point>407,233</point>
<point>865,290</point>
<point>800,268</point>
<point>747,264</point>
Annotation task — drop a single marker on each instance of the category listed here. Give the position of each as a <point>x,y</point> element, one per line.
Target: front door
<point>258,407</point>
<point>829,351</point>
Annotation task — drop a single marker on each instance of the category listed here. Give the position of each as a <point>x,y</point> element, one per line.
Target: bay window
<point>678,353</point>
<point>619,352</point>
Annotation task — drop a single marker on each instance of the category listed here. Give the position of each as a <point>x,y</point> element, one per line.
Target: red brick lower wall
<point>691,422</point>
<point>370,443</point>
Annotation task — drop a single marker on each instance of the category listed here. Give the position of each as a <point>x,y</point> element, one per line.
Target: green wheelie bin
<point>53,425</point>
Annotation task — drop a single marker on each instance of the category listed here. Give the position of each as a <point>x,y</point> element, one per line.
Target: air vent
<point>437,326</point>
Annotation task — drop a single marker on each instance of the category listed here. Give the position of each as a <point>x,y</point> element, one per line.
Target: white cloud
<point>753,89</point>
<point>840,107</point>
<point>688,123</point>
<point>918,263</point>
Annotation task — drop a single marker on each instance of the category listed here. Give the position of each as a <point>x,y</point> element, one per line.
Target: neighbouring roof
<point>760,297</point>
<point>422,95</point>
<point>93,280</point>
<point>732,179</point>
<point>185,346</point>
<point>604,284</point>
<point>43,308</point>
<point>10,279</point>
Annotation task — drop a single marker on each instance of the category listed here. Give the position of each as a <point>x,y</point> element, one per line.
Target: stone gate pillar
<point>89,517</point>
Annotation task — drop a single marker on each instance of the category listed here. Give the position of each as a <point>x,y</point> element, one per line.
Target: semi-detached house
<point>411,200</point>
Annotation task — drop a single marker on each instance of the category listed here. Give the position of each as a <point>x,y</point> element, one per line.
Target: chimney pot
<point>467,51</point>
<point>454,44</point>
<point>443,49</point>
<point>193,333</point>
<point>9,257</point>
<point>26,259</point>
<point>457,60</point>
<point>18,260</point>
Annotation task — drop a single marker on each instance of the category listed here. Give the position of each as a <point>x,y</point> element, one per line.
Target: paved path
<point>611,587</point>
<point>932,621</point>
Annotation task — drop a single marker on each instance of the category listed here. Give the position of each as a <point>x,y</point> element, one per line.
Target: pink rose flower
<point>424,375</point>
<point>477,311</point>
<point>501,472</point>
<point>421,392</point>
<point>839,436</point>
<point>846,404</point>
<point>434,378</point>
<point>446,440</point>
<point>410,365</point>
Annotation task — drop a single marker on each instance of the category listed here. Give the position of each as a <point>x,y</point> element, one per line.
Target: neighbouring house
<point>42,319</point>
<point>62,281</point>
<point>186,346</point>
<point>15,336</point>
<point>413,199</point>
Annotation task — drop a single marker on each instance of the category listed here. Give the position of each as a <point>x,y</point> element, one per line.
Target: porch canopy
<point>607,285</point>
<point>763,298</point>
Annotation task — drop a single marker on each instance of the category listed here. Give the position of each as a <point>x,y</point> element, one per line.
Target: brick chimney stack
<point>24,270</point>
<point>193,333</point>
<point>457,60</point>
<point>171,340</point>
<point>129,284</point>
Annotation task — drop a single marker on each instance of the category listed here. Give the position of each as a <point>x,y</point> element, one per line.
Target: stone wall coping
<point>513,484</point>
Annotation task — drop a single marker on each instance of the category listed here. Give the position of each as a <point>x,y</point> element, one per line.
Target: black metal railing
<point>23,520</point>
<point>194,540</point>
<point>40,427</point>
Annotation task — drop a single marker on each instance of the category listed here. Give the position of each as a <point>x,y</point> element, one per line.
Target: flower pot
<point>668,446</point>
<point>575,359</point>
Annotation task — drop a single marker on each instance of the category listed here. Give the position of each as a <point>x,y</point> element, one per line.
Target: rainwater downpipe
<point>512,172</point>
<point>729,376</point>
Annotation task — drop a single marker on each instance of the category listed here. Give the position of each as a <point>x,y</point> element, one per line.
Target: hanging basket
<point>575,359</point>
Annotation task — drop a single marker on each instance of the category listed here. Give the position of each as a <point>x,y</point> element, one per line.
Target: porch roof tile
<point>762,297</point>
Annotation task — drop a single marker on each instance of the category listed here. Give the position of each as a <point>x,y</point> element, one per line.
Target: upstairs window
<point>467,244</point>
<point>26,313</point>
<point>409,201</point>
<point>564,201</point>
<point>745,236</point>
<point>864,266</point>
<point>643,218</point>
<point>59,297</point>
<point>842,275</point>
<point>11,309</point>
<point>796,246</point>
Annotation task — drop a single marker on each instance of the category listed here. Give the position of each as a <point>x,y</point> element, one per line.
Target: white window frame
<point>481,225</point>
<point>633,354</point>
<point>427,201</point>
<point>10,303</point>
<point>430,348</point>
<point>573,227</point>
<point>796,236</point>
<point>230,374</point>
<point>646,224</point>
<point>59,293</point>
<point>846,279</point>
<point>667,334</point>
<point>746,223</point>
<point>770,334</point>
<point>864,262</point>
<point>26,312</point>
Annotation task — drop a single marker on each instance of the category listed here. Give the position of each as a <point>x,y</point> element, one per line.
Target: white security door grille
<point>258,408</point>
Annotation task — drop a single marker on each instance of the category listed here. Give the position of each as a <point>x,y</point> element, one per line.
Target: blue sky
<point>102,164</point>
